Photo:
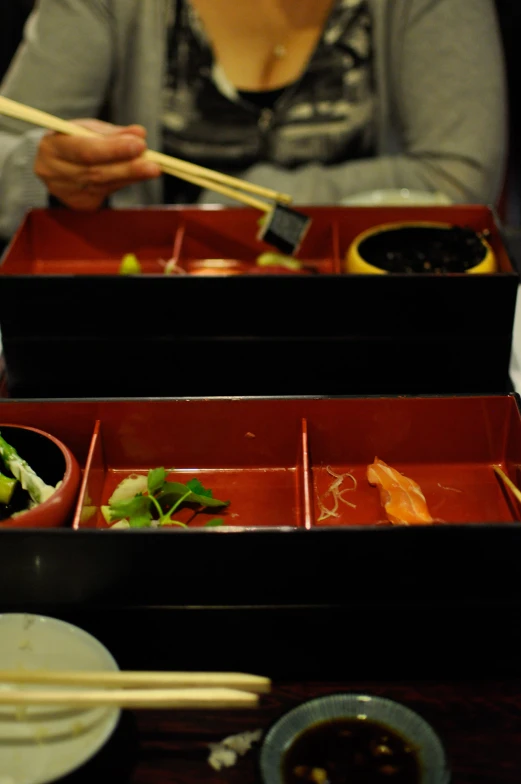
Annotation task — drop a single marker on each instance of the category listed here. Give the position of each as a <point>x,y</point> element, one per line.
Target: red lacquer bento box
<point>73,327</point>
<point>275,460</point>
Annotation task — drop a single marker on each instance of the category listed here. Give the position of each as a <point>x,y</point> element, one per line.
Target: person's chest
<point>324,115</point>
<point>263,45</point>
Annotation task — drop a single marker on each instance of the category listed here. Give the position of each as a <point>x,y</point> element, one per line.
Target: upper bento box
<point>73,327</point>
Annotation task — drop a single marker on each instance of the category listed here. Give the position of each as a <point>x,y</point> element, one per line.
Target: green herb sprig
<point>161,500</point>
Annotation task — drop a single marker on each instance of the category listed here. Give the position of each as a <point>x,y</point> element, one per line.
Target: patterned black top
<point>327,116</point>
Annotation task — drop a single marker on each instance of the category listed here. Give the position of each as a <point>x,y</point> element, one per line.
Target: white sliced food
<point>129,487</point>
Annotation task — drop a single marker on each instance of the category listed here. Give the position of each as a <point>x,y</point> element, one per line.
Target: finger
<point>111,174</point>
<point>107,188</point>
<point>77,176</point>
<point>87,197</point>
<point>93,152</point>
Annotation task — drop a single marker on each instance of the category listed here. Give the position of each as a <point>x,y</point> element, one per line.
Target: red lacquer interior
<point>232,236</point>
<point>270,457</point>
<point>62,242</point>
<point>259,470</point>
<point>447,447</point>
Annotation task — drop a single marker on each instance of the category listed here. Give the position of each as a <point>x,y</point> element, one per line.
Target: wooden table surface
<point>479,723</point>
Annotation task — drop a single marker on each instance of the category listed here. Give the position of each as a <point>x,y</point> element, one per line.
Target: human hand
<point>82,172</point>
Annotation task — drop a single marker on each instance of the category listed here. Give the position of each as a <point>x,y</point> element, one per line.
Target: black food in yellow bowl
<point>420,248</point>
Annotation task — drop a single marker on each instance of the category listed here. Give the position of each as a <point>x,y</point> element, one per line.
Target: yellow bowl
<point>357,265</point>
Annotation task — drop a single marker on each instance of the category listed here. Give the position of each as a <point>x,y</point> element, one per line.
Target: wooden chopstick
<point>213,185</point>
<point>183,169</point>
<point>506,479</point>
<point>139,679</point>
<point>139,698</point>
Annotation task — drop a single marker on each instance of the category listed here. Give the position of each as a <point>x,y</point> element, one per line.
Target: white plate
<point>41,744</point>
<point>515,362</point>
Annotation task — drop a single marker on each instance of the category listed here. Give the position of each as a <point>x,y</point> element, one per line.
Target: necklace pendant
<point>265,119</point>
<point>279,51</point>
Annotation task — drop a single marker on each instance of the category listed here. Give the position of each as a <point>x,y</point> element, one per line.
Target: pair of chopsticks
<point>191,172</point>
<point>189,690</point>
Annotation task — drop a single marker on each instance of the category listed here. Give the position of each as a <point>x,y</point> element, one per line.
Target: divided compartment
<point>476,217</point>
<point>256,462</point>
<point>447,445</point>
<point>230,236</point>
<point>72,425</point>
<point>63,242</point>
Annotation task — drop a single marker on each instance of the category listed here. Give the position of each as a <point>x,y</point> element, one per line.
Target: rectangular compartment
<point>480,219</point>
<point>85,334</point>
<point>65,243</point>
<point>244,456</point>
<point>62,243</point>
<point>449,447</point>
<point>229,239</point>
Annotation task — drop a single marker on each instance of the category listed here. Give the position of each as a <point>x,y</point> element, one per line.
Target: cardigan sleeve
<point>63,66</point>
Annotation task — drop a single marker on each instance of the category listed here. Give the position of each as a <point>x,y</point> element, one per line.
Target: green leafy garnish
<point>214,523</point>
<point>197,488</point>
<point>142,520</point>
<point>204,498</point>
<point>156,479</point>
<point>130,508</point>
<point>156,506</point>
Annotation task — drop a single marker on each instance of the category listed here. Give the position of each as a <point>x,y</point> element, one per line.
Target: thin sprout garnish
<point>338,495</point>
<point>171,267</point>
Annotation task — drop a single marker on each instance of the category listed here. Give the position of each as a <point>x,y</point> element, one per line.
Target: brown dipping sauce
<point>351,751</point>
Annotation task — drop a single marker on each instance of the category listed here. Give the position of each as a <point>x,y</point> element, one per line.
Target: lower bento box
<point>86,331</point>
<point>301,521</point>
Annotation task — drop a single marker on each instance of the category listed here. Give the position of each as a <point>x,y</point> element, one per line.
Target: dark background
<point>13,14</point>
